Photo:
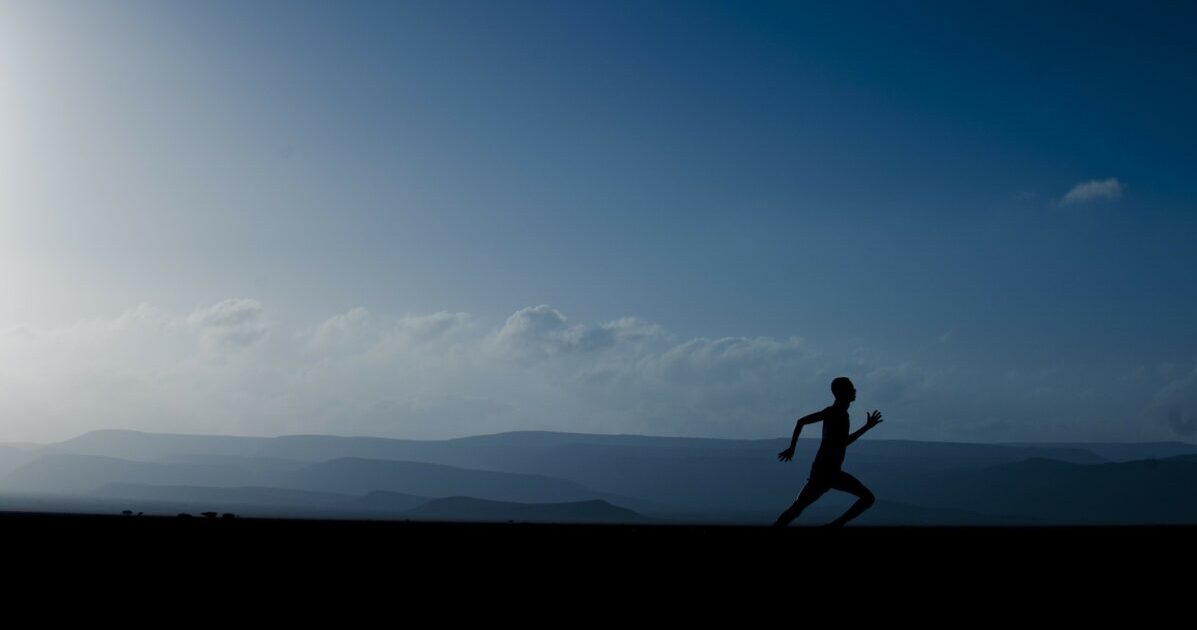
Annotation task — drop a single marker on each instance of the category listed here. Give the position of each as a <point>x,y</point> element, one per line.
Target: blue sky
<point>984,212</point>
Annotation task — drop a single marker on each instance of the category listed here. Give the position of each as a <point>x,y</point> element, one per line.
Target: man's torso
<point>835,440</point>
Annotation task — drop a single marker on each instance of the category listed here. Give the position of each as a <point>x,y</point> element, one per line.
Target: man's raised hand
<point>873,419</point>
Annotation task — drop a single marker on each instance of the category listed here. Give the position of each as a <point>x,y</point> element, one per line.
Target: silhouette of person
<point>826,473</point>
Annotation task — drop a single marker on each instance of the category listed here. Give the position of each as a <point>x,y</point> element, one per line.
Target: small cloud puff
<point>1093,190</point>
<point>1176,401</point>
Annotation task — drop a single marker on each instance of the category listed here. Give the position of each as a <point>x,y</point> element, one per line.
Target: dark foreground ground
<point>286,567</point>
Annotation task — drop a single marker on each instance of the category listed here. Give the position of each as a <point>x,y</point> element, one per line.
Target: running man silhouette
<point>826,473</point>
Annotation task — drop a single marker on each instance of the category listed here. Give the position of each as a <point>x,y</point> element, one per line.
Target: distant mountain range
<point>563,477</point>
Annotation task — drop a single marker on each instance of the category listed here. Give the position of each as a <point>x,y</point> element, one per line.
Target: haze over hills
<point>471,509</point>
<point>240,496</point>
<point>660,478</point>
<point>13,457</point>
<point>510,449</point>
<point>70,474</point>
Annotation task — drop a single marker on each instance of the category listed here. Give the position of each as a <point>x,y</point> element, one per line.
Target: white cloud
<point>729,359</point>
<point>538,332</point>
<point>344,330</point>
<point>1093,190</point>
<point>235,323</point>
<point>632,330</point>
<point>432,327</point>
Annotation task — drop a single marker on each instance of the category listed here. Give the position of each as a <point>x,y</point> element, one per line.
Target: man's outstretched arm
<point>788,454</point>
<point>871,421</point>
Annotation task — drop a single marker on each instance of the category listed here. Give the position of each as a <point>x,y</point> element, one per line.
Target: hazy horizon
<point>806,439</point>
<point>427,221</point>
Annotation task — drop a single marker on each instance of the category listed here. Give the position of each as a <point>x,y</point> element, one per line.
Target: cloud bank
<point>230,368</point>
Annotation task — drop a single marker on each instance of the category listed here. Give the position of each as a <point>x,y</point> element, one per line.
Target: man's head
<point>843,389</point>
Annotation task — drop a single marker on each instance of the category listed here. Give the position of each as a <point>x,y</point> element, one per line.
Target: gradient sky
<point>437,219</point>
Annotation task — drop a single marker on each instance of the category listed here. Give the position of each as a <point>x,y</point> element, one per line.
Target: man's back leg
<point>864,498</point>
<point>810,492</point>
